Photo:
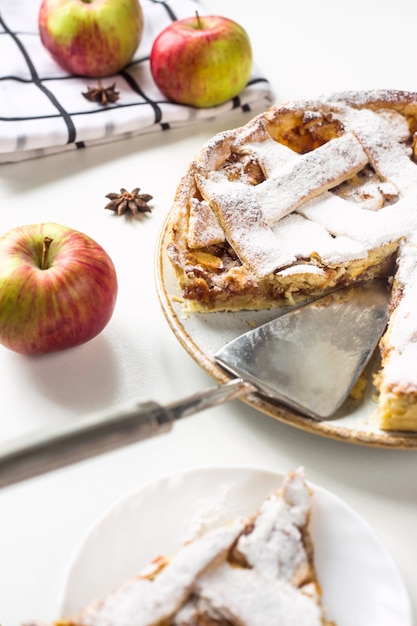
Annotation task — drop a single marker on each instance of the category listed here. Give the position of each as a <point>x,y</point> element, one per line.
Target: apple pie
<point>307,197</point>
<point>250,572</point>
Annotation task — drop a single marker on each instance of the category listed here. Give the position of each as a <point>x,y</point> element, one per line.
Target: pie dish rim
<point>169,295</point>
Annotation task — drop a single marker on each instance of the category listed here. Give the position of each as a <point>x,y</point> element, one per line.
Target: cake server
<point>307,359</point>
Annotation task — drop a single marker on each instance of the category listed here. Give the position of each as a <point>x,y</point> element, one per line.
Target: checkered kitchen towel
<point>43,111</point>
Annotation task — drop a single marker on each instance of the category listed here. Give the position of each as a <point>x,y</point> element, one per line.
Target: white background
<point>305,48</point>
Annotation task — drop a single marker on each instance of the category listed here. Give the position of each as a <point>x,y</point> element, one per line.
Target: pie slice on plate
<point>249,572</point>
<point>307,197</point>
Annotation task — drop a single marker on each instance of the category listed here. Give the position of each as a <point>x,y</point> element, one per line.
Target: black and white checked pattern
<point>43,111</point>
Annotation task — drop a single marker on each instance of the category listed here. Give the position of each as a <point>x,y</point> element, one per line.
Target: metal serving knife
<point>308,359</point>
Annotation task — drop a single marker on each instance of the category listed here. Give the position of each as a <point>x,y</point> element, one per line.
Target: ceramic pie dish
<point>307,197</point>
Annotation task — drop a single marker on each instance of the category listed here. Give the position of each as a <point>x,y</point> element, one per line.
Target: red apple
<point>91,37</point>
<point>201,61</point>
<point>58,288</point>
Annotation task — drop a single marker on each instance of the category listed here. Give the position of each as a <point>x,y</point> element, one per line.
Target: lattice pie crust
<point>306,197</point>
<point>251,572</point>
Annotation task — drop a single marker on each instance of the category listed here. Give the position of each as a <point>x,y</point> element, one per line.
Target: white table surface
<point>305,48</point>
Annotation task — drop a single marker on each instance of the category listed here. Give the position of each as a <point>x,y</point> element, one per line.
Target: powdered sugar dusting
<point>381,138</point>
<point>275,546</point>
<point>144,602</point>
<point>400,365</point>
<point>246,229</point>
<point>275,585</point>
<point>309,176</point>
<point>306,237</point>
<point>203,226</point>
<point>244,597</point>
<point>261,221</point>
<point>273,156</point>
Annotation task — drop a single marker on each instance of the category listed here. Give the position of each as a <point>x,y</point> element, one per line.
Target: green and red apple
<point>93,38</point>
<point>201,61</point>
<point>58,288</point>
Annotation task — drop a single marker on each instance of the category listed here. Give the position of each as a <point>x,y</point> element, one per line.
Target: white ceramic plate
<point>202,335</point>
<point>361,583</point>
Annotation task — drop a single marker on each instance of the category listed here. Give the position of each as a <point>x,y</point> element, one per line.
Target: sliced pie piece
<point>397,380</point>
<point>306,197</point>
<point>250,572</point>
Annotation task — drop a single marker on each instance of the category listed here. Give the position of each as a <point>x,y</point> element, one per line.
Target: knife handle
<point>79,439</point>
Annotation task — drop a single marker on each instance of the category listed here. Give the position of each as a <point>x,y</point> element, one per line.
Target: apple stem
<point>46,244</point>
<point>199,24</point>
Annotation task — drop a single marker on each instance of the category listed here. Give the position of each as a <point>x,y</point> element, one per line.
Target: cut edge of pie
<point>249,572</point>
<point>307,197</point>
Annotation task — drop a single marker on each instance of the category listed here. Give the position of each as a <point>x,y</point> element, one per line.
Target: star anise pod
<point>132,201</point>
<point>102,95</point>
